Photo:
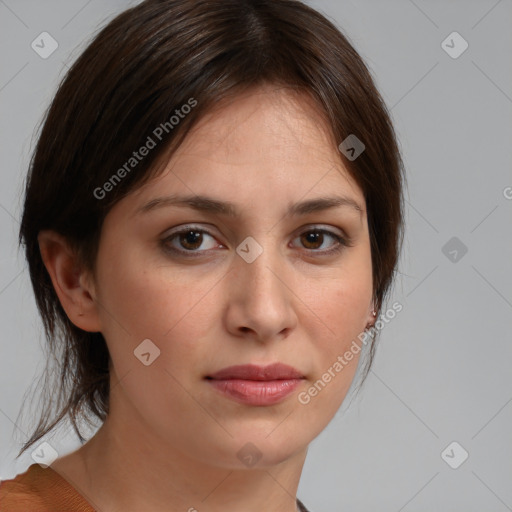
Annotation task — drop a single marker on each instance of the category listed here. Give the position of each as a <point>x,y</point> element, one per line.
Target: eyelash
<point>342,242</point>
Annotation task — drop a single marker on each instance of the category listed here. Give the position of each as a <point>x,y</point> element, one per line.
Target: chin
<point>247,451</point>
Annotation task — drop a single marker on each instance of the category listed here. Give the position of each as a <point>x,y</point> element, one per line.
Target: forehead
<point>263,120</point>
<point>266,146</point>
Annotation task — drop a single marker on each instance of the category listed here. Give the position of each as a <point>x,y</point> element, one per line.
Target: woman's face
<point>254,286</point>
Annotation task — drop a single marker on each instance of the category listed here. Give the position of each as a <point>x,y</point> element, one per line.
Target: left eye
<point>315,238</point>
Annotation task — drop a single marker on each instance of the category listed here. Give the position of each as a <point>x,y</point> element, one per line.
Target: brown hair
<point>145,64</point>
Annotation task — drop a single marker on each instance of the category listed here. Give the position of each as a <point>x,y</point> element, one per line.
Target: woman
<point>212,220</point>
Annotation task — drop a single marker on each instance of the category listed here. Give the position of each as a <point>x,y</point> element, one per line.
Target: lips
<point>277,371</point>
<point>256,385</point>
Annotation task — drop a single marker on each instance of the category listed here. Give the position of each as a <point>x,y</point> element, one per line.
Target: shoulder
<point>40,489</point>
<point>21,492</point>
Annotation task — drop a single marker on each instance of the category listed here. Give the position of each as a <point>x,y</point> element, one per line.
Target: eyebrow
<point>211,205</point>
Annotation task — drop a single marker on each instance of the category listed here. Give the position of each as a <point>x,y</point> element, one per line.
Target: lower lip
<point>256,392</point>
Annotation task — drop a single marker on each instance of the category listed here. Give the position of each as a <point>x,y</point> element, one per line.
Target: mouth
<point>256,385</point>
<point>276,371</point>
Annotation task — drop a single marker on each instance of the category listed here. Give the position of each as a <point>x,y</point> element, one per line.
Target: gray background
<point>443,366</point>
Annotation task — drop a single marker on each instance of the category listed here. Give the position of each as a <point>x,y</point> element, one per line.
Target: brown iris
<point>312,237</point>
<point>191,239</point>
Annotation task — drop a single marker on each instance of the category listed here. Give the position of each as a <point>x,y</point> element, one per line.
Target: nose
<point>261,301</point>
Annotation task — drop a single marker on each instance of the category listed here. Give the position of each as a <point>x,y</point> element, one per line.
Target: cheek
<point>335,347</point>
<point>344,308</point>
<point>149,296</point>
<point>337,317</point>
<point>340,303</point>
<point>172,308</point>
<point>174,313</point>
<point>343,313</point>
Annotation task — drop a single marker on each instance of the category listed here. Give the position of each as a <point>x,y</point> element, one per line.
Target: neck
<point>118,471</point>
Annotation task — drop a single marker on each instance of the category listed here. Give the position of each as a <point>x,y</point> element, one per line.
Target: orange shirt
<point>41,490</point>
<point>44,490</point>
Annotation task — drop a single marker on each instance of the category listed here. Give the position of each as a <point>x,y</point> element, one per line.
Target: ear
<point>72,284</point>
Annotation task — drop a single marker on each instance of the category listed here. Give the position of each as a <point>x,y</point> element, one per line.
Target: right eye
<point>188,240</point>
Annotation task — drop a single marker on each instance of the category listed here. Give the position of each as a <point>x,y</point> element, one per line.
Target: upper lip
<point>276,371</point>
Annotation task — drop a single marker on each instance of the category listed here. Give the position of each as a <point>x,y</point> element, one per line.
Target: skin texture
<point>170,441</point>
